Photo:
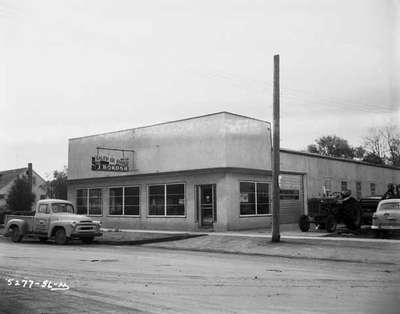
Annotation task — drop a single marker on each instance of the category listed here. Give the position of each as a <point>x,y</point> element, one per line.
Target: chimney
<point>30,175</point>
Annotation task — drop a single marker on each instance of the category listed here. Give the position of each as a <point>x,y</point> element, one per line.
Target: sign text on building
<point>109,163</point>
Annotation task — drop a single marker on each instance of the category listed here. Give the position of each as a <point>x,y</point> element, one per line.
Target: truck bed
<point>28,220</point>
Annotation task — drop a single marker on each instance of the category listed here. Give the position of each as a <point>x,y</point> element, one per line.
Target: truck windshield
<point>62,208</point>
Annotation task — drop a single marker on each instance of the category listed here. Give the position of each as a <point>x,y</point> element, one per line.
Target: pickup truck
<point>52,219</point>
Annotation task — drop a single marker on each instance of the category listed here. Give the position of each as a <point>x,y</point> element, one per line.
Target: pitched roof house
<point>7,178</point>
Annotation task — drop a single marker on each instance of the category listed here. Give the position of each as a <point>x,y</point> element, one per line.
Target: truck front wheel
<point>16,235</point>
<point>60,237</point>
<point>87,240</point>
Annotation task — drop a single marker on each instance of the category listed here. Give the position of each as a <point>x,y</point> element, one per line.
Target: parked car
<point>387,216</point>
<point>52,219</point>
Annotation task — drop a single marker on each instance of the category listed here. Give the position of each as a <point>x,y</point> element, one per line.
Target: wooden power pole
<point>275,157</point>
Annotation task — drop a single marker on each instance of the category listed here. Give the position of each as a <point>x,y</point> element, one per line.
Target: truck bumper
<point>86,234</point>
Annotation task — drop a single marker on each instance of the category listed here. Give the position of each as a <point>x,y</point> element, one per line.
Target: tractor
<point>328,211</point>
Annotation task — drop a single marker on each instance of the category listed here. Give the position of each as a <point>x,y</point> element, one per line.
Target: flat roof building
<point>212,171</point>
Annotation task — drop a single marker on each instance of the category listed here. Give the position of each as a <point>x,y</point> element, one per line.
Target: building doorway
<point>206,205</point>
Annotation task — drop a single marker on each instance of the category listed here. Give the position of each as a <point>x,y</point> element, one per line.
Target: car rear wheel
<point>61,237</point>
<point>16,235</point>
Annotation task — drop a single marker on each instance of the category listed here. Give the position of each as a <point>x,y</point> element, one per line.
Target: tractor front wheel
<point>331,224</point>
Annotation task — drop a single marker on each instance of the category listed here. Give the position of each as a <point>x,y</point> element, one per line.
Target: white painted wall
<point>217,140</point>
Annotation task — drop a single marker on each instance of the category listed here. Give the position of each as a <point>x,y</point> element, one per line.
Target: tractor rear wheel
<point>352,216</point>
<point>304,223</point>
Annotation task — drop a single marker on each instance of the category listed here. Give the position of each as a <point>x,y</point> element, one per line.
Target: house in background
<point>7,178</point>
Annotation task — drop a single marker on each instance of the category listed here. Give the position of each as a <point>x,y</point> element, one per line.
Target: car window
<point>390,206</point>
<point>44,209</point>
<point>62,208</point>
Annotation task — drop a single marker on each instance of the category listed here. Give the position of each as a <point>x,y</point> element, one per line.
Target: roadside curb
<point>143,241</point>
<point>273,255</point>
<point>148,241</point>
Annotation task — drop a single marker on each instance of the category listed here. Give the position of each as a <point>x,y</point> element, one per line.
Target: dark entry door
<point>206,204</point>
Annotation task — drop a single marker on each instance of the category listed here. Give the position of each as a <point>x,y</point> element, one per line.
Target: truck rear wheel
<point>61,237</point>
<point>16,235</point>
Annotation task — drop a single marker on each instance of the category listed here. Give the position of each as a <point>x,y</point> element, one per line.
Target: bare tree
<point>383,145</point>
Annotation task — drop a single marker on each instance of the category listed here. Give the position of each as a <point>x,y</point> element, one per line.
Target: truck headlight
<point>73,224</point>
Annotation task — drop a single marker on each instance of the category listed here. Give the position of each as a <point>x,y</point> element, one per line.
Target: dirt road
<point>129,279</point>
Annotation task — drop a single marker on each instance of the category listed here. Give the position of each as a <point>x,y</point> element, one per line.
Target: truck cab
<point>53,219</point>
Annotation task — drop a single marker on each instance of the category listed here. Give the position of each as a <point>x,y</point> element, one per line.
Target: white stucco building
<point>212,171</point>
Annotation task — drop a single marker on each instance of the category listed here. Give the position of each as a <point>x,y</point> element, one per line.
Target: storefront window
<point>254,198</point>
<point>247,198</point>
<point>131,201</point>
<point>81,201</point>
<point>262,198</point>
<point>167,200</point>
<point>95,202</point>
<point>175,200</point>
<point>124,201</point>
<point>89,202</point>
<point>116,201</point>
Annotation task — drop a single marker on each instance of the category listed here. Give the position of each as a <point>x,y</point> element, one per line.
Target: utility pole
<point>275,157</point>
<point>30,176</point>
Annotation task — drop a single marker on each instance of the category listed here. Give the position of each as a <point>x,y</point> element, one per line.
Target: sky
<point>76,68</point>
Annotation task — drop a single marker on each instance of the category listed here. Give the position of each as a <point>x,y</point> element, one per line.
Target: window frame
<point>165,200</point>
<point>341,185</point>
<point>358,191</point>
<point>46,211</point>
<point>123,200</point>
<point>255,198</point>
<point>87,201</point>
<point>372,184</point>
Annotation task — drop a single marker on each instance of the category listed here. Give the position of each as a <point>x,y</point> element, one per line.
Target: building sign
<point>110,163</point>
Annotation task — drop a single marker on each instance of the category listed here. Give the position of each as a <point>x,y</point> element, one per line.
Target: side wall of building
<point>329,172</point>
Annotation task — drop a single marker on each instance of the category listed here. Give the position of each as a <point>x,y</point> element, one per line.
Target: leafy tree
<point>333,146</point>
<point>20,197</point>
<point>57,186</point>
<point>359,152</point>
